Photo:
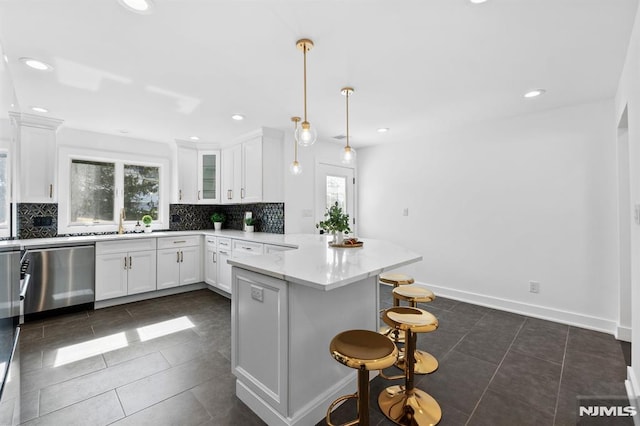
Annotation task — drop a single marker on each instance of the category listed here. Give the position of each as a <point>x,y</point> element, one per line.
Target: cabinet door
<point>37,165</point>
<point>142,272</point>
<point>111,275</point>
<point>269,248</point>
<point>168,268</point>
<point>224,271</point>
<point>252,171</point>
<point>190,262</point>
<point>187,175</point>
<point>208,177</point>
<point>211,266</point>
<point>231,174</point>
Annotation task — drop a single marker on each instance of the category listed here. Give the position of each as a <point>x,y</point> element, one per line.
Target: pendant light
<point>305,135</point>
<point>349,154</point>
<point>295,168</point>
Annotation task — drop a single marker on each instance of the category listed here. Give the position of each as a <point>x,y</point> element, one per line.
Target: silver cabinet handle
<point>198,195</point>
<point>50,190</point>
<point>224,252</point>
<point>130,262</point>
<point>177,257</point>
<point>214,258</point>
<point>241,192</point>
<point>125,263</point>
<point>180,195</point>
<point>179,242</point>
<point>181,257</point>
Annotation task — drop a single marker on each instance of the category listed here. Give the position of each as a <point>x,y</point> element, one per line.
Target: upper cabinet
<point>252,168</point>
<point>187,177</point>
<point>208,177</point>
<point>37,158</point>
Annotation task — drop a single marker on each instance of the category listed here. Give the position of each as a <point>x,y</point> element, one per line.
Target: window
<point>99,189</point>
<point>4,192</point>
<point>336,191</point>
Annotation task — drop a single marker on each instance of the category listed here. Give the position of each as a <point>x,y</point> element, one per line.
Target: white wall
<point>628,96</point>
<point>497,205</point>
<point>300,190</point>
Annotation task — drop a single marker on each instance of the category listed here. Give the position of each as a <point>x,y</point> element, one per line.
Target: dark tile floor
<point>167,362</point>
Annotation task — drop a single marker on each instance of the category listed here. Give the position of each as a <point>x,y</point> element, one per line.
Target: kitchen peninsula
<point>286,308</point>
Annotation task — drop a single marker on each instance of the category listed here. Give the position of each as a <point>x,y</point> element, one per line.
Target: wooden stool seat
<point>363,350</point>
<point>408,405</point>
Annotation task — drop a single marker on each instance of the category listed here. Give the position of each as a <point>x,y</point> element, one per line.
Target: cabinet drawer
<point>185,241</point>
<point>224,243</point>
<point>210,242</point>
<point>107,247</point>
<point>241,248</point>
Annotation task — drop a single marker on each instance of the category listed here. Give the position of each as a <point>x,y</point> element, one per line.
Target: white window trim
<point>5,228</point>
<point>68,154</point>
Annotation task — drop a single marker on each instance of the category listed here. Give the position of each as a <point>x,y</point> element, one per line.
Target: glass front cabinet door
<point>208,177</point>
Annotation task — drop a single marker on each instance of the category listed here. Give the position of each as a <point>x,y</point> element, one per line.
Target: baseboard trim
<point>149,295</point>
<point>556,315</point>
<point>633,393</point>
<point>623,333</point>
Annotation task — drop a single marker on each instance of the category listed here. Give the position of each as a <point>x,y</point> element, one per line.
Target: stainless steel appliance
<point>60,277</point>
<point>9,333</point>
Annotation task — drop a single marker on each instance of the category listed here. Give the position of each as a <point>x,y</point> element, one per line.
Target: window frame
<point>5,228</point>
<point>67,155</point>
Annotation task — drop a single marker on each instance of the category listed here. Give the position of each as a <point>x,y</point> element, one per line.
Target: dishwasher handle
<point>25,286</point>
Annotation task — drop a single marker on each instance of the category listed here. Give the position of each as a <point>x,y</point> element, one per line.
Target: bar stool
<point>408,405</point>
<point>363,350</point>
<point>396,280</point>
<point>425,363</point>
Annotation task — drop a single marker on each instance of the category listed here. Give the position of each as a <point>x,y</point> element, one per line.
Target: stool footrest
<point>336,402</point>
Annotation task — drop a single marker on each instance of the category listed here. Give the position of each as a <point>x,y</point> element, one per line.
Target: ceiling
<point>417,66</point>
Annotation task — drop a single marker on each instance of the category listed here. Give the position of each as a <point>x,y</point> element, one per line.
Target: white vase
<point>248,228</point>
<point>147,229</point>
<point>338,238</point>
<point>217,226</point>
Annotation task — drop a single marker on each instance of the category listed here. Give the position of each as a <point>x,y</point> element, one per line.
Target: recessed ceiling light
<point>383,130</point>
<point>39,109</point>
<point>477,1</point>
<point>123,131</point>
<point>138,6</point>
<point>534,93</point>
<point>194,138</point>
<point>36,64</point>
<point>237,117</point>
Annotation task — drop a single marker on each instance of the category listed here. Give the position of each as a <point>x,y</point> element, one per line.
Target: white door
<point>142,272</point>
<point>111,275</point>
<point>224,270</point>
<point>335,183</point>
<point>168,268</point>
<point>252,171</point>
<point>190,265</point>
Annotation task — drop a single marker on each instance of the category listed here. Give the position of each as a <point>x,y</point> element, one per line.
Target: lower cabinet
<point>224,269</point>
<point>179,261</point>
<point>125,267</point>
<point>210,261</point>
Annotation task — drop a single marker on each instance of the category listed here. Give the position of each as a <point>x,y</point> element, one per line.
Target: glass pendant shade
<point>305,135</point>
<point>348,155</point>
<point>295,168</point>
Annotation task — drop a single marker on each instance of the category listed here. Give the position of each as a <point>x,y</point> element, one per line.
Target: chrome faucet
<point>120,224</point>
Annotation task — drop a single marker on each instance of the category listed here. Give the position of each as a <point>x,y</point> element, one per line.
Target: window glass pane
<point>141,191</point>
<point>336,191</point>
<point>92,187</point>
<point>4,189</point>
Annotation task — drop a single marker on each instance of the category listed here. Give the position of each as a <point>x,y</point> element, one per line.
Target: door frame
<point>319,174</point>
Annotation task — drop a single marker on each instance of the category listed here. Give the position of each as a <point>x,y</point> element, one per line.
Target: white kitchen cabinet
<point>37,158</point>
<point>208,177</point>
<point>125,267</point>
<point>231,174</point>
<point>241,248</point>
<point>271,248</point>
<point>179,261</point>
<point>210,261</point>
<point>224,269</point>
<point>252,168</point>
<point>187,174</point>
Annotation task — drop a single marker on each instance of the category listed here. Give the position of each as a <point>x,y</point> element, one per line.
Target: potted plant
<point>249,222</point>
<point>217,219</point>
<point>147,219</point>
<point>336,222</point>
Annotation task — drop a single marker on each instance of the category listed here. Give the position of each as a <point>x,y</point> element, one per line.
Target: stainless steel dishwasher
<point>61,277</point>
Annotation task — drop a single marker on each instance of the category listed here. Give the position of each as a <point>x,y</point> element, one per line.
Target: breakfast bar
<point>286,308</point>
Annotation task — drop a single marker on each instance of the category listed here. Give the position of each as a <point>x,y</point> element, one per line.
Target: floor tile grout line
<point>538,358</point>
<point>564,357</point>
<point>495,372</point>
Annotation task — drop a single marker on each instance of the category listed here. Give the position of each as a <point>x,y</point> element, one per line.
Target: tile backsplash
<point>40,220</point>
<point>187,217</point>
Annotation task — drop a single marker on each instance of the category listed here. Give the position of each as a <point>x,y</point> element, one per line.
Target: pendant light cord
<point>304,51</point>
<point>347,96</point>
<point>295,145</point>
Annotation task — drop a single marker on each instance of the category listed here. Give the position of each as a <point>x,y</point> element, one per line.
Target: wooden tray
<point>358,244</point>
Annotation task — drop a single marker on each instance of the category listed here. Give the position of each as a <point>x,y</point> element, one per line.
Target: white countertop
<point>317,265</point>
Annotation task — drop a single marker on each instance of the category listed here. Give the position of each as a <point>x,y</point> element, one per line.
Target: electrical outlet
<point>257,293</point>
<point>405,211</point>
<point>534,287</point>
